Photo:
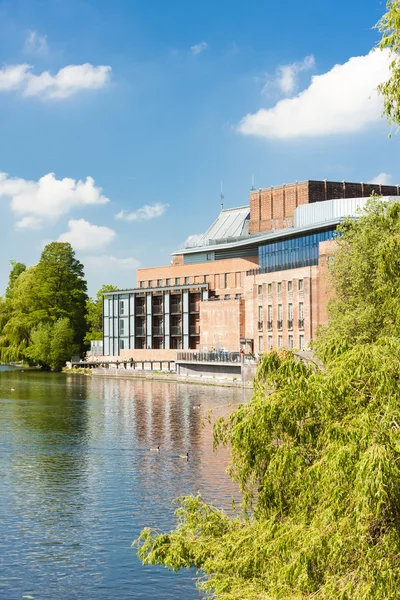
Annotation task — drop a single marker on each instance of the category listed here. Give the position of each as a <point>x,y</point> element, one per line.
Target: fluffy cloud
<point>192,240</point>
<point>67,82</point>
<point>383,178</point>
<point>343,100</point>
<point>36,44</point>
<point>198,48</point>
<point>106,262</point>
<point>145,213</point>
<point>286,76</point>
<point>47,199</point>
<point>83,235</point>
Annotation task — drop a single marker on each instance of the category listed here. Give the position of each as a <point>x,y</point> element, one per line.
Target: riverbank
<point>169,376</point>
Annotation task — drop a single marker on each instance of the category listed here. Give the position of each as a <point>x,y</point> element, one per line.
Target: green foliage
<point>94,314</point>
<point>42,295</point>
<point>389,26</point>
<point>316,454</point>
<point>365,279</point>
<point>52,344</point>
<point>16,269</point>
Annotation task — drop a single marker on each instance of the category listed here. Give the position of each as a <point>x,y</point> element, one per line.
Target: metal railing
<point>157,309</point>
<point>175,308</point>
<point>157,330</point>
<point>140,311</point>
<point>194,330</point>
<point>301,323</point>
<point>279,324</point>
<point>269,324</point>
<point>260,325</point>
<point>194,307</point>
<point>140,331</point>
<point>217,356</point>
<point>290,324</point>
<point>176,330</point>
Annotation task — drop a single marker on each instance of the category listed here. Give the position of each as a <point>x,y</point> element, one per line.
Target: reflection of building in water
<point>257,279</point>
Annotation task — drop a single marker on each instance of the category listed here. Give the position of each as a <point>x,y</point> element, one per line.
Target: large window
<point>296,252</point>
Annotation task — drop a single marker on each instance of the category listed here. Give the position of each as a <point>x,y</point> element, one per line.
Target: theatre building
<point>257,279</point>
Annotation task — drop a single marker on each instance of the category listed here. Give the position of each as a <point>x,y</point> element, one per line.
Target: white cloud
<point>36,44</point>
<point>83,235</point>
<point>192,240</point>
<point>343,100</point>
<point>65,83</point>
<point>198,48</point>
<point>49,198</point>
<point>28,223</point>
<point>106,262</point>
<point>383,178</point>
<point>286,76</point>
<point>145,213</point>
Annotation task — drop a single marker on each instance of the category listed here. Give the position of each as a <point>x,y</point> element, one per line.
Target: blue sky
<point>156,102</point>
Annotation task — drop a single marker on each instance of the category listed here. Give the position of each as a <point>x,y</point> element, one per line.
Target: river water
<point>78,481</point>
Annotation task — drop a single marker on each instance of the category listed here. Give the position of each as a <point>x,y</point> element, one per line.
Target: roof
<point>230,223</point>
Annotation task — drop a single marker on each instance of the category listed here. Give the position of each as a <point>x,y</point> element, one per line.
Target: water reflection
<point>78,481</point>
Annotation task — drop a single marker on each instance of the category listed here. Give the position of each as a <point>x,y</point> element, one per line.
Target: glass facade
<point>292,253</point>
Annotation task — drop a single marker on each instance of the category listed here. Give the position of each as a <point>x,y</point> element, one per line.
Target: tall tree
<point>389,25</point>
<point>16,269</point>
<point>52,344</point>
<point>94,316</point>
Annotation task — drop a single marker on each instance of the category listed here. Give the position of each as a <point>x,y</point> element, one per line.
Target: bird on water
<point>186,456</point>
<point>155,449</point>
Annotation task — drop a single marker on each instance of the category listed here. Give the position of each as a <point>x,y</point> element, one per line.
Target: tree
<point>52,344</point>
<point>365,280</point>
<point>16,269</point>
<point>316,455</point>
<point>389,26</point>
<point>94,315</point>
<point>53,289</point>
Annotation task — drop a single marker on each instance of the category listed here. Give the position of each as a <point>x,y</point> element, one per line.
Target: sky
<point>119,120</point>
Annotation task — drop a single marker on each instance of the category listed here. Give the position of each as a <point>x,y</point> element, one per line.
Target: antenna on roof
<point>222,198</point>
<point>252,183</point>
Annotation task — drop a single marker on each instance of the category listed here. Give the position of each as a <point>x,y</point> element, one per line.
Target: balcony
<point>157,309</point>
<point>157,330</point>
<point>140,311</point>
<point>176,308</point>
<point>269,324</point>
<point>140,331</point>
<point>260,325</point>
<point>301,323</point>
<point>195,330</point>
<point>176,330</point>
<point>279,324</point>
<point>290,324</point>
<point>194,307</point>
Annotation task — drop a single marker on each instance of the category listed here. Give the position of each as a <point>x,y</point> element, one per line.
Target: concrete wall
<point>221,324</point>
<point>207,370</point>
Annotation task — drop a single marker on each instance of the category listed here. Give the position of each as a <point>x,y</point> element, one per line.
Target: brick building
<point>257,279</point>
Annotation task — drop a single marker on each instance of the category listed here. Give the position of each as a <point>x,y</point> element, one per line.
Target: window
<point>280,316</point>
<point>290,315</point>
<point>279,288</point>
<point>121,344</point>
<point>260,315</point>
<point>261,344</point>
<point>141,284</point>
<point>177,281</point>
<point>291,343</point>
<point>238,296</point>
<point>225,280</point>
<point>301,285</point>
<point>227,296</point>
<point>301,342</point>
<point>269,289</point>
<point>159,282</point>
<point>280,341</point>
<point>270,344</point>
<point>167,282</point>
<point>121,327</point>
<point>209,256</point>
<point>269,316</point>
<point>260,290</point>
<point>290,286</point>
<point>204,278</point>
<point>121,307</point>
<point>150,283</point>
<point>301,315</point>
<point>187,280</point>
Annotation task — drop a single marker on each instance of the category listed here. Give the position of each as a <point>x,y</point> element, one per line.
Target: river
<point>78,481</point>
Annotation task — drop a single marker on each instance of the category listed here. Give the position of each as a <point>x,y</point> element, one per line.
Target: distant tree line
<point>46,315</point>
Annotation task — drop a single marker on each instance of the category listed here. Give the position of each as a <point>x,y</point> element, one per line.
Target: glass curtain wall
<point>296,252</point>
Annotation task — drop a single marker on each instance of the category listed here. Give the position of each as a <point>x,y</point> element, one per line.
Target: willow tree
<point>316,455</point>
<point>389,25</point>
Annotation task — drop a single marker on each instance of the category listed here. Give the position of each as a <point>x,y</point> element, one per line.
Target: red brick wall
<point>221,323</point>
